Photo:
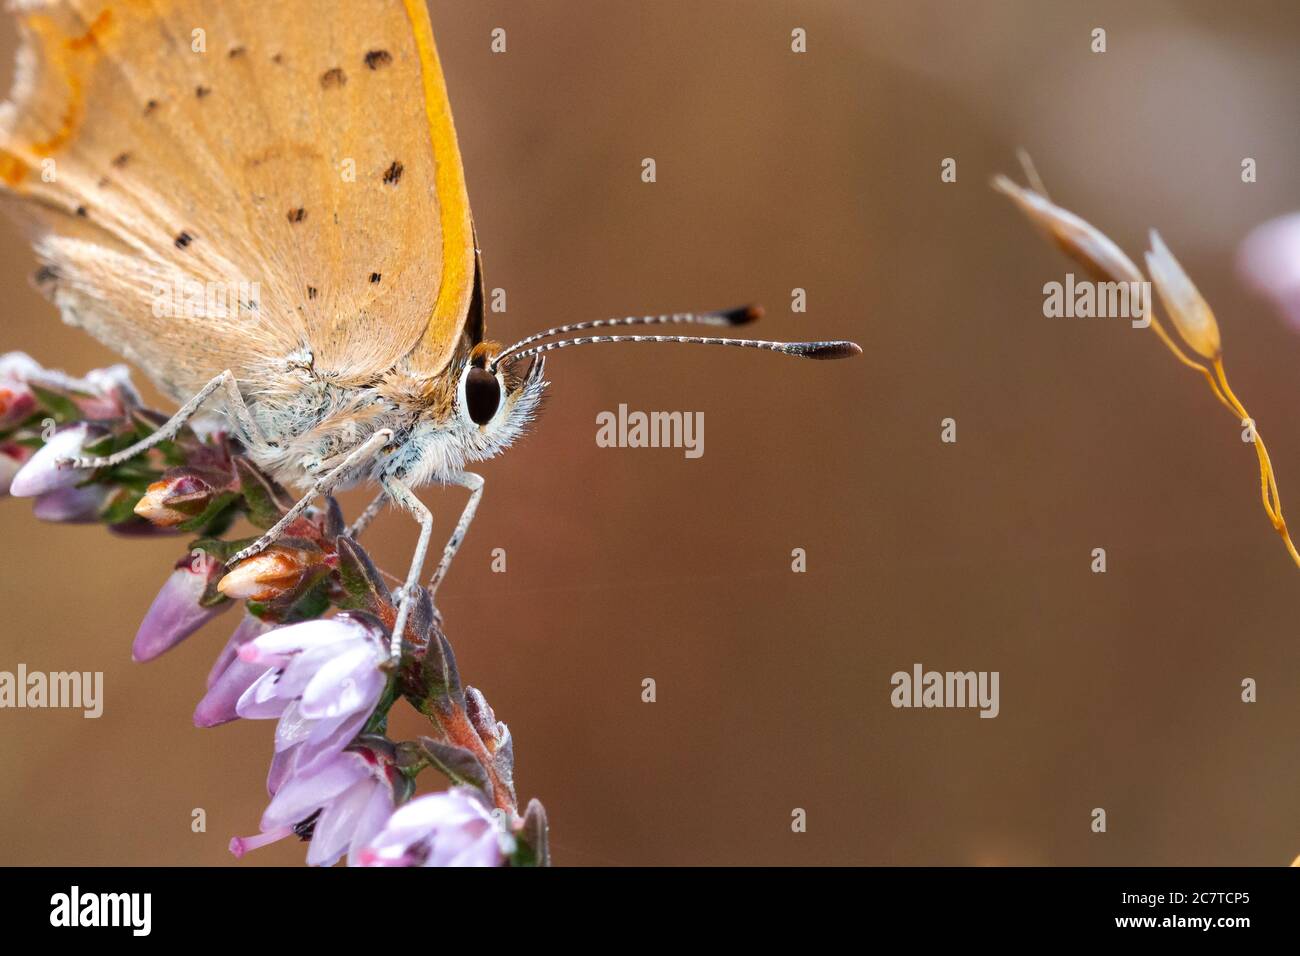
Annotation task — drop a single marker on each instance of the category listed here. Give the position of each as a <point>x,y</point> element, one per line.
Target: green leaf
<point>212,597</point>
<point>313,603</point>
<point>61,408</point>
<point>364,588</point>
<point>457,763</point>
<point>209,521</point>
<point>120,508</point>
<point>307,600</point>
<point>220,550</point>
<point>260,495</point>
<point>378,722</point>
<point>532,843</point>
<point>439,675</point>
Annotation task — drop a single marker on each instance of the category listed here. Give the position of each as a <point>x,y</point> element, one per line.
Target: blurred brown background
<point>818,171</point>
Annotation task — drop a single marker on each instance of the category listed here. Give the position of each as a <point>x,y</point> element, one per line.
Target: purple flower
<point>12,456</point>
<point>176,612</point>
<point>42,473</point>
<point>111,393</point>
<point>321,679</point>
<point>19,367</point>
<point>71,505</point>
<point>1269,260</point>
<point>341,804</point>
<point>230,676</point>
<point>443,829</point>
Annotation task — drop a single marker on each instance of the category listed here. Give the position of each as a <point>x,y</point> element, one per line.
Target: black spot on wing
<point>393,173</point>
<point>375,277</point>
<point>121,159</point>
<point>236,52</point>
<point>149,107</point>
<point>297,215</point>
<point>183,240</point>
<point>311,292</point>
<point>376,59</point>
<point>334,78</point>
<point>202,92</point>
<point>81,211</point>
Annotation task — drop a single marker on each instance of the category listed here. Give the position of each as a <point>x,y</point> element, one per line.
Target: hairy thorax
<point>311,421</point>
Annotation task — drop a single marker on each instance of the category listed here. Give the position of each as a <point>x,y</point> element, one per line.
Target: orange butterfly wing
<point>303,150</point>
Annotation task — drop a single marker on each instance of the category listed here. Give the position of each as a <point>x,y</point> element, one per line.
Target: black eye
<point>482,395</point>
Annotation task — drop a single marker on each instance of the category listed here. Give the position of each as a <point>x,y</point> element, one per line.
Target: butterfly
<point>263,207</point>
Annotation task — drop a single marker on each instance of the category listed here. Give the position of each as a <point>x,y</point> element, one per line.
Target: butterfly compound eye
<point>482,395</point>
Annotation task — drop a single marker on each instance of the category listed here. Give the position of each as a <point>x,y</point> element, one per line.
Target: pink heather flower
<point>71,505</point>
<point>17,402</point>
<point>42,473</point>
<point>12,456</point>
<point>442,829</point>
<point>341,804</point>
<point>176,612</point>
<point>1269,260</point>
<point>19,367</point>
<point>321,679</point>
<point>112,393</point>
<point>230,676</point>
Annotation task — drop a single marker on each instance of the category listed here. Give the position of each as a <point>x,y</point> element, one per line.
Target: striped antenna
<point>812,350</point>
<point>730,317</point>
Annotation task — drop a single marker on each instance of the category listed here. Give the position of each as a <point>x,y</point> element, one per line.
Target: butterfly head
<point>495,401</point>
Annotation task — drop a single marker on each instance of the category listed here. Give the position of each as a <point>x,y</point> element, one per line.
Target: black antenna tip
<point>830,350</point>
<point>742,315</point>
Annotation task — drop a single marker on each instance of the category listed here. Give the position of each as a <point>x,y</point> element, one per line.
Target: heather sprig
<point>311,649</point>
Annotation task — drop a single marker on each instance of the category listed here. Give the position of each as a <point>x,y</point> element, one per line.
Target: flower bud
<point>12,456</point>
<point>112,393</point>
<point>42,472</point>
<point>1187,309</point>
<point>1078,239</point>
<point>179,609</point>
<point>175,499</point>
<point>19,367</point>
<point>268,575</point>
<point>17,402</point>
<point>230,676</point>
<point>71,505</point>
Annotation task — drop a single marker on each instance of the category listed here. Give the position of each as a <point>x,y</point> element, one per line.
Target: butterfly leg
<point>369,515</point>
<point>234,402</point>
<point>406,498</point>
<point>475,485</point>
<point>323,486</point>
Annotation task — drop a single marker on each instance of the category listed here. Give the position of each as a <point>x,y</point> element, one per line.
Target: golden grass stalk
<point>1187,309</point>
